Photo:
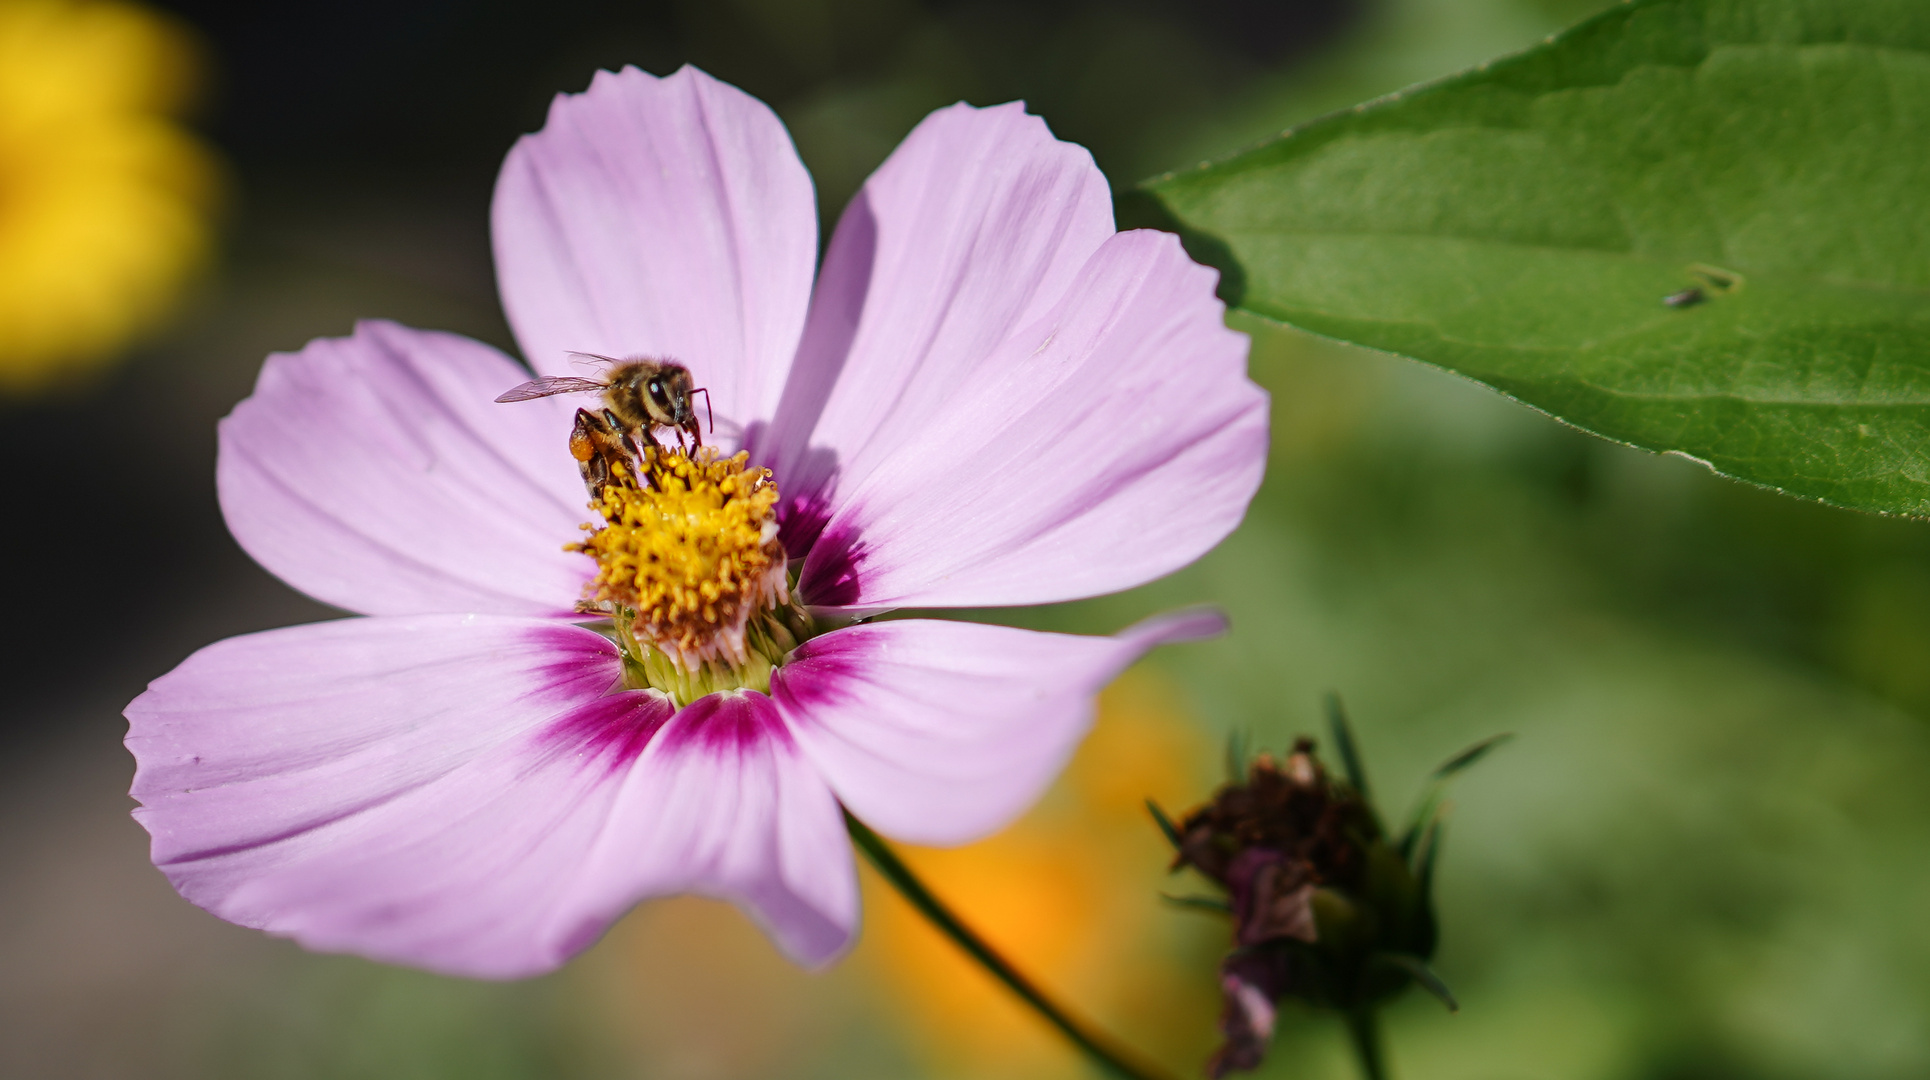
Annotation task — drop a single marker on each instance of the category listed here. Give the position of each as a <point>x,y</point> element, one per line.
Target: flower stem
<point>1113,1058</point>
<point>1365,1029</point>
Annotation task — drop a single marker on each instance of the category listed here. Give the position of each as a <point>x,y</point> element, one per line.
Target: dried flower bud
<point>1326,910</point>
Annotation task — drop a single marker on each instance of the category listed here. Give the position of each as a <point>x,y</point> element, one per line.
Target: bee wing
<point>549,385</point>
<point>582,357</point>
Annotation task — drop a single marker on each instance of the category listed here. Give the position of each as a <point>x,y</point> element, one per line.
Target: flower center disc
<point>684,560</point>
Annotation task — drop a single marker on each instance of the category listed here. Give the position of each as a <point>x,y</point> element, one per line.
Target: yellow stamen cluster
<point>688,556</point>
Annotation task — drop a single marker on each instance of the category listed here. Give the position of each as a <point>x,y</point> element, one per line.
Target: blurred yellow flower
<point>1070,894</point>
<point>104,201</point>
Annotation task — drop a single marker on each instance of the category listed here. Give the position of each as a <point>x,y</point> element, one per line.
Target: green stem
<point>1365,1030</point>
<point>1110,1056</point>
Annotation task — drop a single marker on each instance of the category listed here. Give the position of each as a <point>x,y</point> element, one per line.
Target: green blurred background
<point>1704,855</point>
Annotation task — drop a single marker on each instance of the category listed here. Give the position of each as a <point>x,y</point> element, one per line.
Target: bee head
<point>666,393</point>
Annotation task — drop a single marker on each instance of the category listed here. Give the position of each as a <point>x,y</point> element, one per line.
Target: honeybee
<point>639,395</point>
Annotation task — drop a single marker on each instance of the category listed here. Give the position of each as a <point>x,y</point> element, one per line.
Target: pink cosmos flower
<point>987,398</point>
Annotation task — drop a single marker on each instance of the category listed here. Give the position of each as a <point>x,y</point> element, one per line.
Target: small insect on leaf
<point>1712,281</point>
<point>1715,279</point>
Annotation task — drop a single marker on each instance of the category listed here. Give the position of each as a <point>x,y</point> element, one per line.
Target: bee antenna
<point>708,418</point>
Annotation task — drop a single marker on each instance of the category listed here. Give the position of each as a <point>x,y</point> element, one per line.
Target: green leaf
<point>1699,226</point>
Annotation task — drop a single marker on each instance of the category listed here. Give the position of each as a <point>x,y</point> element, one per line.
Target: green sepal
<point>1469,756</point>
<point>1428,806</point>
<point>1427,929</point>
<point>1422,974</point>
<point>1343,735</point>
<point>1236,756</point>
<point>1165,824</point>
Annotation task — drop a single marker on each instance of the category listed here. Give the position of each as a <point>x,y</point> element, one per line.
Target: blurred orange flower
<point>104,201</point>
<point>1069,893</point>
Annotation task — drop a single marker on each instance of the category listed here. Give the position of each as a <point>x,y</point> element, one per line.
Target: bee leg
<point>583,447</point>
<point>648,439</point>
<point>602,451</point>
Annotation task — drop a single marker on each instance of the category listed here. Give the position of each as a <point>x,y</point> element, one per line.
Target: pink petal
<point>1109,443</point>
<point>940,732</point>
<point>724,803</point>
<point>665,217</point>
<point>459,793</point>
<point>972,228</point>
<point>376,473</point>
